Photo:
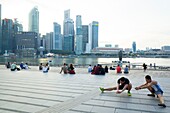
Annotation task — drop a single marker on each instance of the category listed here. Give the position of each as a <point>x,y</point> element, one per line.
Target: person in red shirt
<point>118,69</point>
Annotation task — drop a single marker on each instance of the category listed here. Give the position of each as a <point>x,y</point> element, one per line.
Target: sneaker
<point>129,94</point>
<point>163,105</point>
<point>152,95</point>
<point>102,89</point>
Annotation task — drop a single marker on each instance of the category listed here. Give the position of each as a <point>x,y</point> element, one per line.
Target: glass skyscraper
<point>134,47</point>
<point>34,20</point>
<point>57,37</point>
<point>79,37</point>
<point>85,36</point>
<point>94,34</point>
<point>68,34</point>
<point>7,35</point>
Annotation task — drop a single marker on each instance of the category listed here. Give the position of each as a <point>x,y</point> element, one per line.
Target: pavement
<point>31,91</point>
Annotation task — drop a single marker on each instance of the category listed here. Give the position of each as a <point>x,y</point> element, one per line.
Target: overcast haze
<point>120,21</point>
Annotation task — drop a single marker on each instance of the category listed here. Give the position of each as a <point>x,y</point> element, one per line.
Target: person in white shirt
<point>89,69</point>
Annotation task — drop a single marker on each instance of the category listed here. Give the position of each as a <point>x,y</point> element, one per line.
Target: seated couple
<point>118,69</point>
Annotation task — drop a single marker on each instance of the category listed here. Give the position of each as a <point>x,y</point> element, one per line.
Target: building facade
<point>79,36</point>
<point>34,20</point>
<point>85,36</point>
<point>7,36</point>
<point>68,34</point>
<point>134,47</point>
<point>57,37</point>
<point>166,48</point>
<point>26,44</point>
<point>94,34</point>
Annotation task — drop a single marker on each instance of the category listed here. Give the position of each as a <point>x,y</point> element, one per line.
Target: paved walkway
<point>35,92</point>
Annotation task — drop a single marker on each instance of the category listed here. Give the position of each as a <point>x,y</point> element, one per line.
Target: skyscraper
<point>92,36</point>
<point>68,33</point>
<point>79,37</point>
<point>134,47</point>
<point>7,35</point>
<point>57,37</point>
<point>34,20</point>
<point>85,36</point>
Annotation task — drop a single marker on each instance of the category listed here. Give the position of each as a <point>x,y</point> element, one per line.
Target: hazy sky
<point>120,21</point>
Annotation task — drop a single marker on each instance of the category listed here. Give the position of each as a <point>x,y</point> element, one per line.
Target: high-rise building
<point>47,42</point>
<point>19,25</point>
<point>0,31</point>
<point>67,14</point>
<point>85,36</point>
<point>7,35</point>
<point>57,37</point>
<point>68,34</point>
<point>26,43</point>
<point>134,47</point>
<point>79,36</point>
<point>93,36</point>
<point>51,40</point>
<point>34,20</point>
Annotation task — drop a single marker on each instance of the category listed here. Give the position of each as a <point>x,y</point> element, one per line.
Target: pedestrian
<point>122,85</point>
<point>144,67</point>
<point>64,68</point>
<point>154,88</point>
<point>8,65</point>
<point>118,69</point>
<point>89,69</point>
<point>45,68</point>
<point>106,69</point>
<point>71,69</point>
<point>40,66</point>
<point>126,70</point>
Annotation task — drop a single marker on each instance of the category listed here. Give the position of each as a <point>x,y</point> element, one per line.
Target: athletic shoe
<point>163,105</point>
<point>102,89</point>
<point>152,95</point>
<point>129,94</point>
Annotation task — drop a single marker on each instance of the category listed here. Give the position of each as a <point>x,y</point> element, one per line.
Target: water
<point>86,60</point>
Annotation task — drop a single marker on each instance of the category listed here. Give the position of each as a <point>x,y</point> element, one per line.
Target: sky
<point>147,22</point>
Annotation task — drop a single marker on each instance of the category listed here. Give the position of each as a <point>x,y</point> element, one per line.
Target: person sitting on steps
<point>122,85</point>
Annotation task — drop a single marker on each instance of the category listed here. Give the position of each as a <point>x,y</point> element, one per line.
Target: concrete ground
<point>31,91</point>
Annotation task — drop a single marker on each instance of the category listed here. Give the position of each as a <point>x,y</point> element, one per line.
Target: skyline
<point>120,22</point>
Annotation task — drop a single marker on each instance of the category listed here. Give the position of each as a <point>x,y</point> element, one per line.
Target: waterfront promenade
<point>31,91</point>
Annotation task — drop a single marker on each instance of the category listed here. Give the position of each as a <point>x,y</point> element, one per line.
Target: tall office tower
<point>34,20</point>
<point>93,36</point>
<point>19,25</point>
<point>7,35</point>
<point>47,42</point>
<point>68,34</point>
<point>134,47</point>
<point>79,36</point>
<point>57,37</point>
<point>67,14</point>
<point>0,32</point>
<point>85,36</point>
<point>51,40</point>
